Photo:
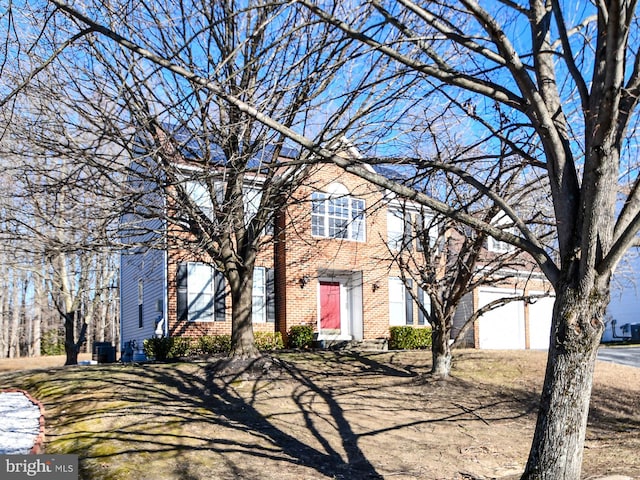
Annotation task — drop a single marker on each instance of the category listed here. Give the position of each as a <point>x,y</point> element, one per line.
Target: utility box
<point>104,352</point>
<point>635,332</point>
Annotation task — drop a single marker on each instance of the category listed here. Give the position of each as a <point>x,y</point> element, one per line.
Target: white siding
<point>143,263</point>
<point>540,314</point>
<point>149,267</point>
<point>625,297</point>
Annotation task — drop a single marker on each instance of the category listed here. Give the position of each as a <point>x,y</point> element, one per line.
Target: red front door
<point>330,305</point>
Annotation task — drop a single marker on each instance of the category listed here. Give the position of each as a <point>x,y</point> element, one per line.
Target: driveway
<point>620,355</point>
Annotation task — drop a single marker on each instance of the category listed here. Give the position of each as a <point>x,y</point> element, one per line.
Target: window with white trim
<point>259,295</point>
<point>395,229</point>
<point>201,291</point>
<point>426,226</point>
<point>397,304</point>
<point>498,246</point>
<point>399,229</point>
<point>402,303</point>
<point>337,215</point>
<point>424,307</point>
<point>251,195</point>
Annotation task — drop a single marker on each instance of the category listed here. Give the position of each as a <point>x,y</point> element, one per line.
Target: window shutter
<point>181,289</point>
<point>407,233</point>
<point>420,306</point>
<point>271,296</point>
<point>424,309</point>
<point>220,297</point>
<point>408,302</point>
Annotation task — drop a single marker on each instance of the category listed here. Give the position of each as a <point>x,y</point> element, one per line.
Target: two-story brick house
<point>327,263</point>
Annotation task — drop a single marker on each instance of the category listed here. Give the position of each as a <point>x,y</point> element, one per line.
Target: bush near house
<point>213,344</point>
<point>268,341</point>
<point>301,336</point>
<point>160,349</point>
<point>165,348</point>
<point>409,338</point>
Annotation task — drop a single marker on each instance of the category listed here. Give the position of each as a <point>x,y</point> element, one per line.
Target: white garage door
<point>502,328</point>
<point>540,314</point>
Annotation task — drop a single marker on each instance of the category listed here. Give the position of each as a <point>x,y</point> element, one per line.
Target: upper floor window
<point>201,196</point>
<point>497,246</point>
<point>337,215</point>
<point>427,229</point>
<point>403,226</point>
<point>398,229</point>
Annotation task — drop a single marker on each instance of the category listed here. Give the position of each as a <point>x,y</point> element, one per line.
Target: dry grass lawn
<point>320,415</point>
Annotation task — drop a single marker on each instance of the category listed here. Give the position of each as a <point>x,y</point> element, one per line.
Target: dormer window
<point>337,215</point>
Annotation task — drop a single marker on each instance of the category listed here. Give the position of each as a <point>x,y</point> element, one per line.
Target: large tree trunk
<point>242,340</point>
<point>562,420</point>
<point>440,348</point>
<point>71,347</point>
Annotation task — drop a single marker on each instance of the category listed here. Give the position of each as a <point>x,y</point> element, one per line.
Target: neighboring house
<point>623,323</point>
<point>329,266</point>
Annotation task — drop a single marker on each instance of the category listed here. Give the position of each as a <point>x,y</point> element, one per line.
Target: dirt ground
<point>321,415</point>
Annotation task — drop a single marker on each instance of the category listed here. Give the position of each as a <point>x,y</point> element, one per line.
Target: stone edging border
<point>38,446</point>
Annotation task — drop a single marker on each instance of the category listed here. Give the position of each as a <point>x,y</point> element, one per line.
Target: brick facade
<point>302,262</point>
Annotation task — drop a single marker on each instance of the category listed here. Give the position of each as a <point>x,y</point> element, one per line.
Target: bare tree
<point>573,87</point>
<point>447,259</point>
<point>54,222</point>
<point>222,172</point>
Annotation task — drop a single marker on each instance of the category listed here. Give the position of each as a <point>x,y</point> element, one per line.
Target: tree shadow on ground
<point>144,415</point>
<point>210,394</point>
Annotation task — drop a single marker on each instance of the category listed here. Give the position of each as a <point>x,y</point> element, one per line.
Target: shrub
<point>157,348</point>
<point>301,336</point>
<point>164,348</point>
<point>181,347</point>
<point>409,338</point>
<point>214,344</point>
<point>268,341</point>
